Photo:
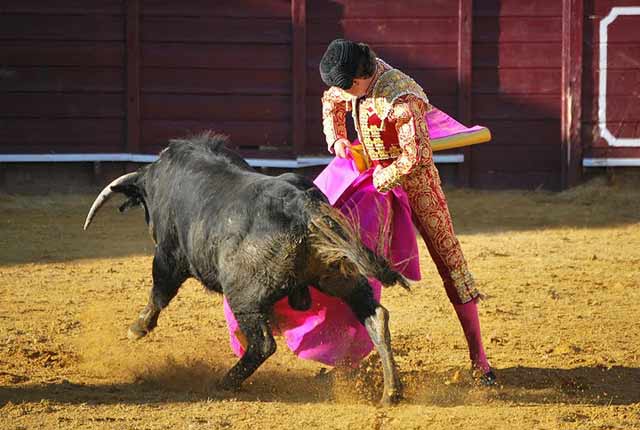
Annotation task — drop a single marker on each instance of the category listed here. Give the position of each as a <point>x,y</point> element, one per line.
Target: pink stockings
<point>470,322</point>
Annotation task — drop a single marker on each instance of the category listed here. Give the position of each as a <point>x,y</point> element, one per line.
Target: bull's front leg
<point>167,279</point>
<point>378,328</point>
<point>376,320</point>
<point>260,346</point>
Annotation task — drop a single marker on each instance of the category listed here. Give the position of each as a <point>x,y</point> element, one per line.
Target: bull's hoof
<point>136,331</point>
<point>391,398</point>
<point>227,384</point>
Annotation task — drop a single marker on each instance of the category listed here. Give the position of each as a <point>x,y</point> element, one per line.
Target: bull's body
<point>254,238</point>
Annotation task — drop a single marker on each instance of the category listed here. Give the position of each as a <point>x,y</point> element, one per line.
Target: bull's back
<point>214,202</point>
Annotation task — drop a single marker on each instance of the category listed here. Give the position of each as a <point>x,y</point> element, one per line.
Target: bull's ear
<point>128,204</point>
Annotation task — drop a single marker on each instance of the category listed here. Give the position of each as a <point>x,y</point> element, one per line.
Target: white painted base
<point>143,158</point>
<point>611,162</point>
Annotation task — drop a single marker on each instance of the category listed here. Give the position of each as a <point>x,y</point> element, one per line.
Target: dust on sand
<point>561,273</point>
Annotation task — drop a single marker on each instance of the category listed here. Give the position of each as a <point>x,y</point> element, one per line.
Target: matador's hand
<point>340,147</point>
<point>376,178</point>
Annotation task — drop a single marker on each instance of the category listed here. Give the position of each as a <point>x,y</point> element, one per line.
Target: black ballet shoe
<point>486,379</point>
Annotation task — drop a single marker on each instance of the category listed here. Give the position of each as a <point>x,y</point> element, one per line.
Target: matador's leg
<point>433,220</point>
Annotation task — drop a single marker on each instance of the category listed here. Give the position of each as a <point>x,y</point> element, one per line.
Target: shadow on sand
<point>521,385</point>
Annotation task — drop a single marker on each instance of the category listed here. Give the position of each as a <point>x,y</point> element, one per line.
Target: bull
<point>254,238</point>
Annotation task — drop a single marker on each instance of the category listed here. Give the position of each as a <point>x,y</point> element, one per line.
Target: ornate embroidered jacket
<point>391,125</point>
<point>389,121</point>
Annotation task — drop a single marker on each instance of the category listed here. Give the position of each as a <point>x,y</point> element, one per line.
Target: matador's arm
<point>335,105</point>
<point>408,115</point>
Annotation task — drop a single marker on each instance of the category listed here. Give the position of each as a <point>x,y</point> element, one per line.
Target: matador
<point>388,109</point>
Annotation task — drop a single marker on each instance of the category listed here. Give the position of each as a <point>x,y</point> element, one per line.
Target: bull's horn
<point>105,195</point>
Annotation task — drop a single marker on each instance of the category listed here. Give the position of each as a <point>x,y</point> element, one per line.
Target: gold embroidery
<point>391,85</point>
<point>370,136</point>
<point>386,179</point>
<point>464,284</point>
<point>433,219</point>
<point>334,107</point>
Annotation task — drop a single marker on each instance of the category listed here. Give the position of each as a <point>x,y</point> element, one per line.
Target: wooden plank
<point>623,129</point>
<point>465,32</point>
<point>56,53</point>
<point>611,152</point>
<point>517,8</point>
<point>619,82</point>
<point>223,8</point>
<point>34,135</point>
<point>208,81</point>
<point>314,142</point>
<point>619,108</point>
<point>340,9</point>
<point>217,30</point>
<point>529,107</point>
<point>517,55</point>
<point>215,107</point>
<point>619,57</point>
<point>133,76</point>
<point>76,7</point>
<point>156,133</point>
<point>601,8</point>
<point>61,27</point>
<point>438,56</point>
<point>56,105</point>
<point>516,81</point>
<point>625,29</point>
<point>384,31</point>
<point>434,81</point>
<point>517,29</point>
<point>532,180</point>
<point>299,73</point>
<point>520,158</point>
<point>572,41</point>
<point>217,56</point>
<point>524,133</point>
<point>61,79</point>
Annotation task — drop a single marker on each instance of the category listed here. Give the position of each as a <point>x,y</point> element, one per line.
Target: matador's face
<point>359,87</point>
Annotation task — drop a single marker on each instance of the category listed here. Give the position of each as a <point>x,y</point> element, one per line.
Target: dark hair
<point>367,64</point>
<point>344,60</point>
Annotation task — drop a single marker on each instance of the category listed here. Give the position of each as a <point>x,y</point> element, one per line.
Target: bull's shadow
<point>617,385</point>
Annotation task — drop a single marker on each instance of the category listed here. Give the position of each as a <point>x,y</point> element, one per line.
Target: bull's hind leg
<point>375,318</point>
<point>167,279</point>
<point>260,346</point>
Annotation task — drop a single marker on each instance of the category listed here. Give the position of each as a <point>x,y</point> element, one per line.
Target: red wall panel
<point>622,80</point>
<point>516,89</point>
<point>61,76</point>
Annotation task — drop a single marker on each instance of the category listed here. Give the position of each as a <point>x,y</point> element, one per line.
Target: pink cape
<point>329,332</point>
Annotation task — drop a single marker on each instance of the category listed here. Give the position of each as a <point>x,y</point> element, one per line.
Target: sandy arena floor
<point>561,273</point>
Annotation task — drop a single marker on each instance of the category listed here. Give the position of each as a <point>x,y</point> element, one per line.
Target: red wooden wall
<point>123,76</point>
<point>622,80</point>
<point>61,76</point>
<point>223,65</point>
<point>517,92</point>
<point>416,36</point>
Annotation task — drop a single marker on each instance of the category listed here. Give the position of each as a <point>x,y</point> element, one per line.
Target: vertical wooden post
<point>571,117</point>
<point>465,16</point>
<point>299,74</point>
<point>133,76</point>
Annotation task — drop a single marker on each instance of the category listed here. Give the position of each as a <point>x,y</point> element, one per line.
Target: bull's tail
<point>338,244</point>
<point>126,184</point>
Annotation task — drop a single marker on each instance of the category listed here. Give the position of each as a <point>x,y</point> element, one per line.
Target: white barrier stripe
<point>143,158</point>
<point>611,162</point>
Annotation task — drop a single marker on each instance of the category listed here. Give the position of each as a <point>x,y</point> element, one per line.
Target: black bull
<point>254,238</point>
